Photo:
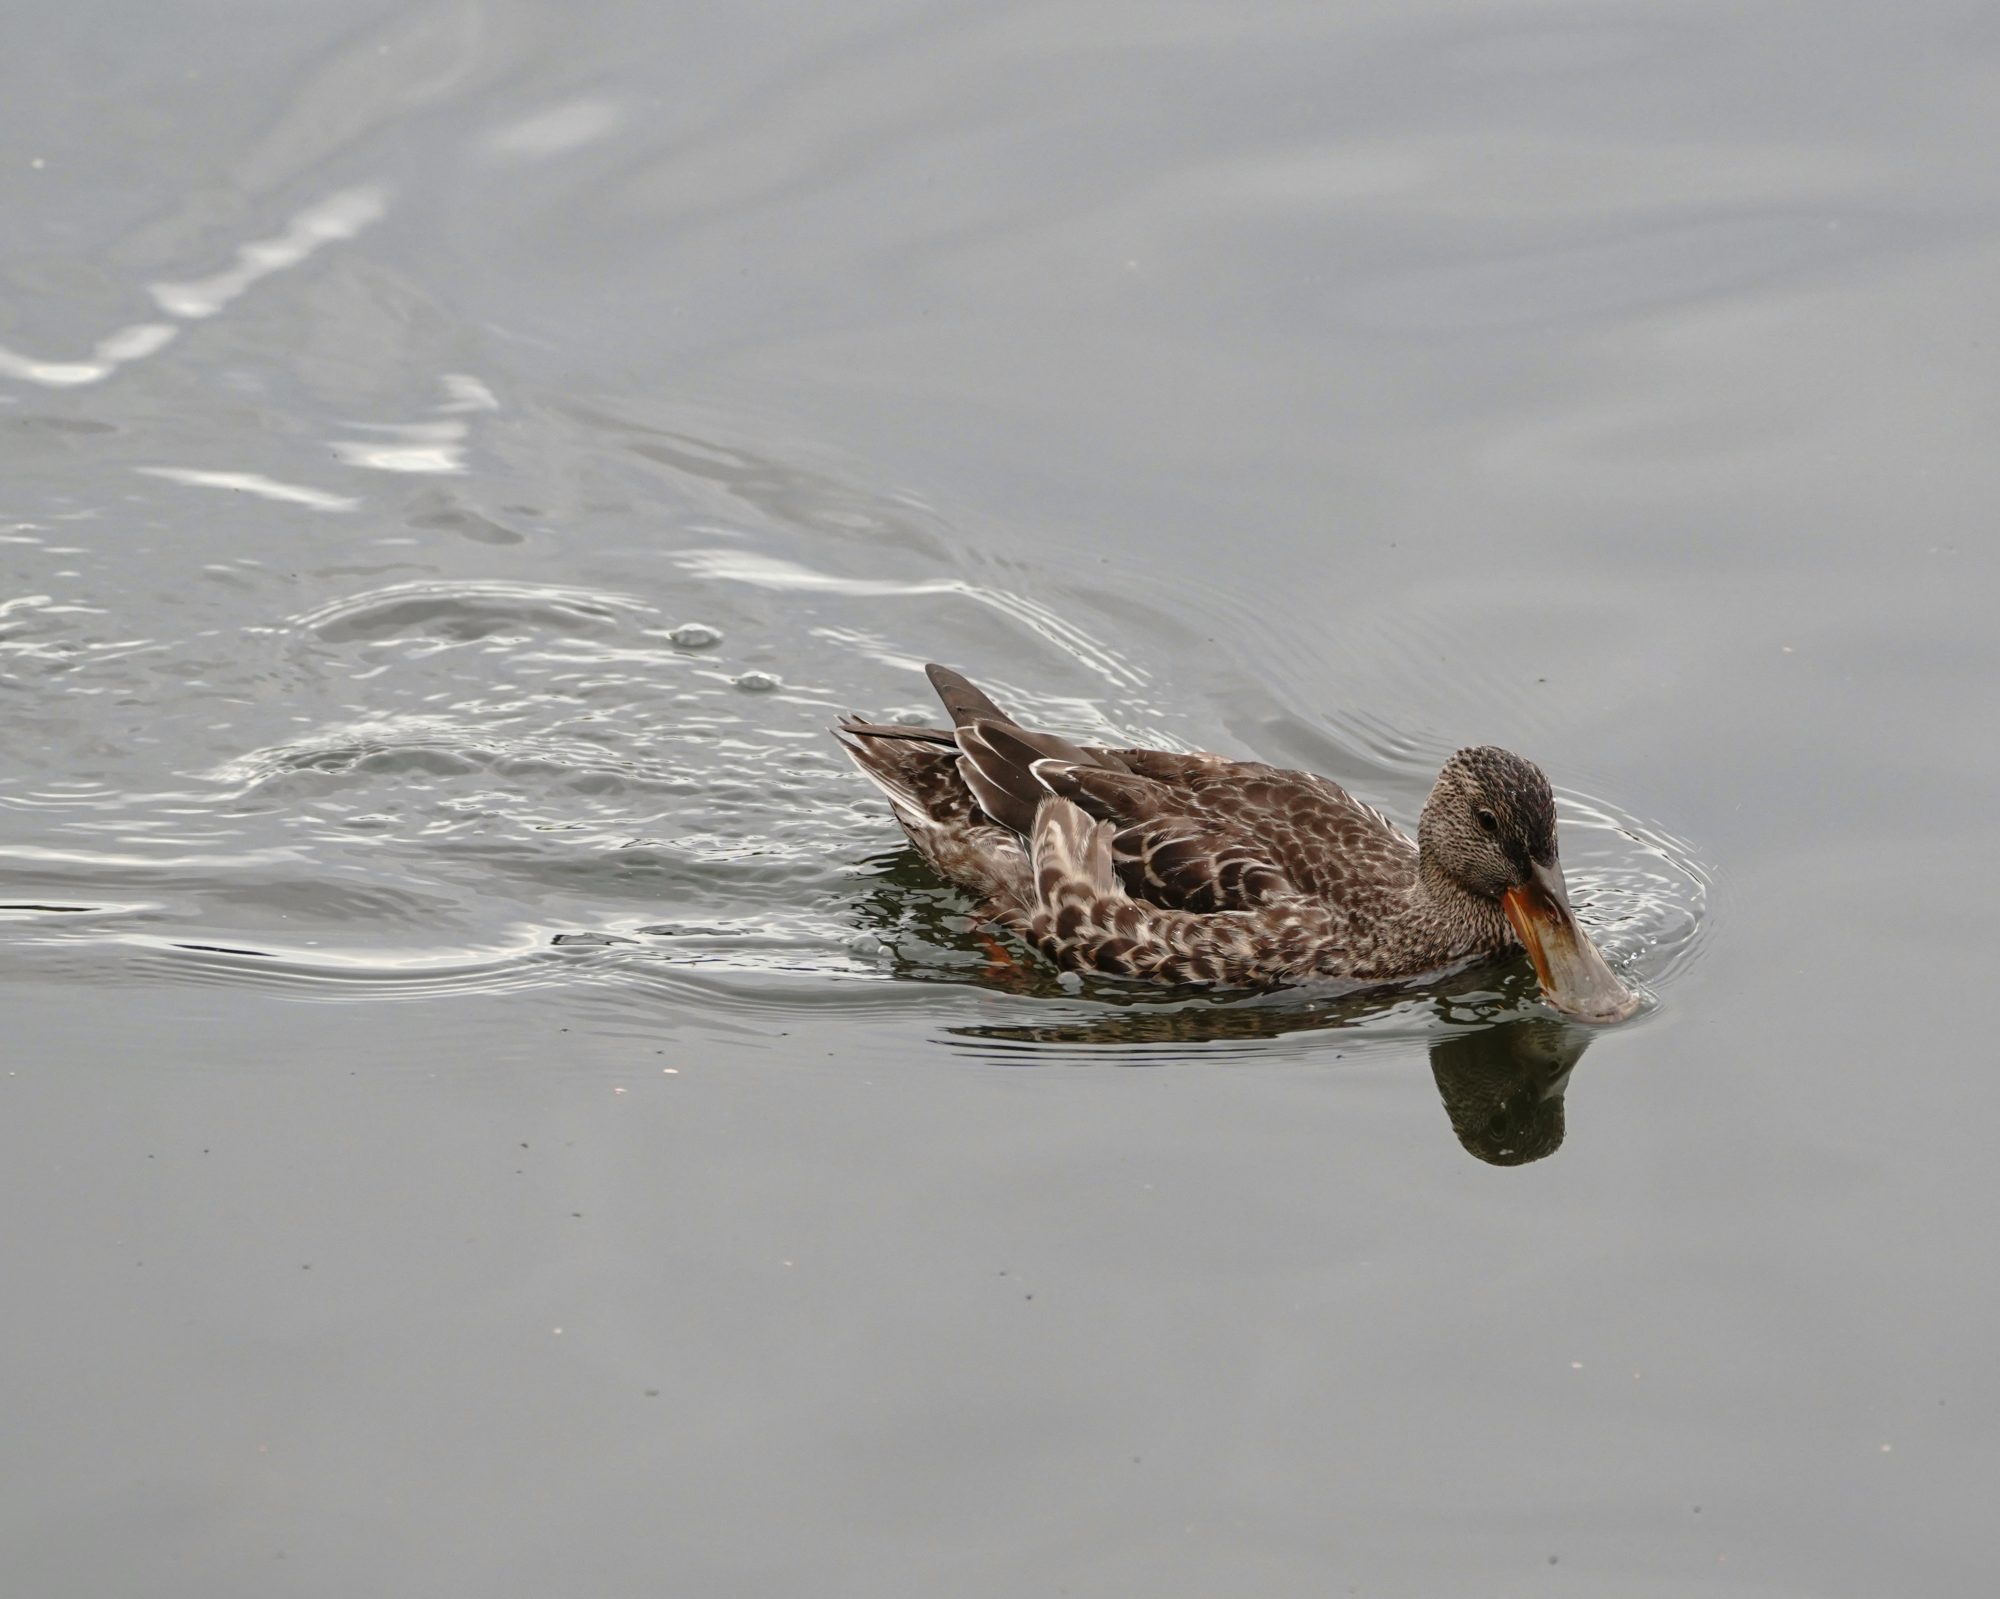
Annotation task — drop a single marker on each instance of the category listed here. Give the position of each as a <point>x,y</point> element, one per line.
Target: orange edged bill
<point>1573,975</point>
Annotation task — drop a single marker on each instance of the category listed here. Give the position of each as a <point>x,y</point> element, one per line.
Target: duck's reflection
<point>1502,1086</point>
<point>1502,1082</point>
<point>1502,1075</point>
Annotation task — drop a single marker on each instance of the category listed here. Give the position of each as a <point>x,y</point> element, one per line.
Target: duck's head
<point>1489,830</point>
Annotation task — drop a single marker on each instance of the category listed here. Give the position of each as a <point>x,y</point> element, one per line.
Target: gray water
<point>492,1108</point>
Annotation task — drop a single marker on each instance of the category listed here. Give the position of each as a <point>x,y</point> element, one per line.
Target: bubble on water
<point>695,636</point>
<point>910,718</point>
<point>757,682</point>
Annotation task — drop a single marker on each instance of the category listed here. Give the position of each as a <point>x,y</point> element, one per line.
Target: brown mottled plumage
<point>1195,869</point>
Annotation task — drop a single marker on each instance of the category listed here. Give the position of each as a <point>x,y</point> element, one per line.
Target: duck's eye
<point>1489,821</point>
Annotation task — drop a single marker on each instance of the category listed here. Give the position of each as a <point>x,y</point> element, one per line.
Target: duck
<point>1200,871</point>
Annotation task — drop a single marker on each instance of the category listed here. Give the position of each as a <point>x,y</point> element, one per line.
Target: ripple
<point>27,911</point>
<point>344,976</point>
<point>1642,892</point>
<point>465,612</point>
<point>769,572</point>
<point>449,785</point>
<point>437,511</point>
<point>335,758</point>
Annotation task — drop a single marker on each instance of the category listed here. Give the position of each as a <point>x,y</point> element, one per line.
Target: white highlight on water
<point>339,216</point>
<point>253,483</point>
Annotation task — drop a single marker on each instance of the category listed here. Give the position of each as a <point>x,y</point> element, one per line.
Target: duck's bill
<point>1573,975</point>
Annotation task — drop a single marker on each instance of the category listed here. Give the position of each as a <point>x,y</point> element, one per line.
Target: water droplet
<point>695,635</point>
<point>757,682</point>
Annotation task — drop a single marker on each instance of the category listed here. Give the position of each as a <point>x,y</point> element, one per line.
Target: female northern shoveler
<point>1197,869</point>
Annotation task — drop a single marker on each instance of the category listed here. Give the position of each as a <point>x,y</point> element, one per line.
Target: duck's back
<point>1323,841</point>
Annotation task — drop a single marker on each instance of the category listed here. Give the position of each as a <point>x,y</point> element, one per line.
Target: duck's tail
<point>898,761</point>
<point>1001,762</point>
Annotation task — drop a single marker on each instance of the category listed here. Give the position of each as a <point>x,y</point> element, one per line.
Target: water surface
<point>493,1107</point>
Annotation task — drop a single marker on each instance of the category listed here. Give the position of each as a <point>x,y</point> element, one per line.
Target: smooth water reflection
<point>1502,1077</point>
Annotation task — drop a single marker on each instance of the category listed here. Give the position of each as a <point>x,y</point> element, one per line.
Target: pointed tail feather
<point>855,725</point>
<point>964,702</point>
<point>886,776</point>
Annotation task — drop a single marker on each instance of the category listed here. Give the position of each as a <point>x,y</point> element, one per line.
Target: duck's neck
<point>1428,926</point>
<point>1462,922</point>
